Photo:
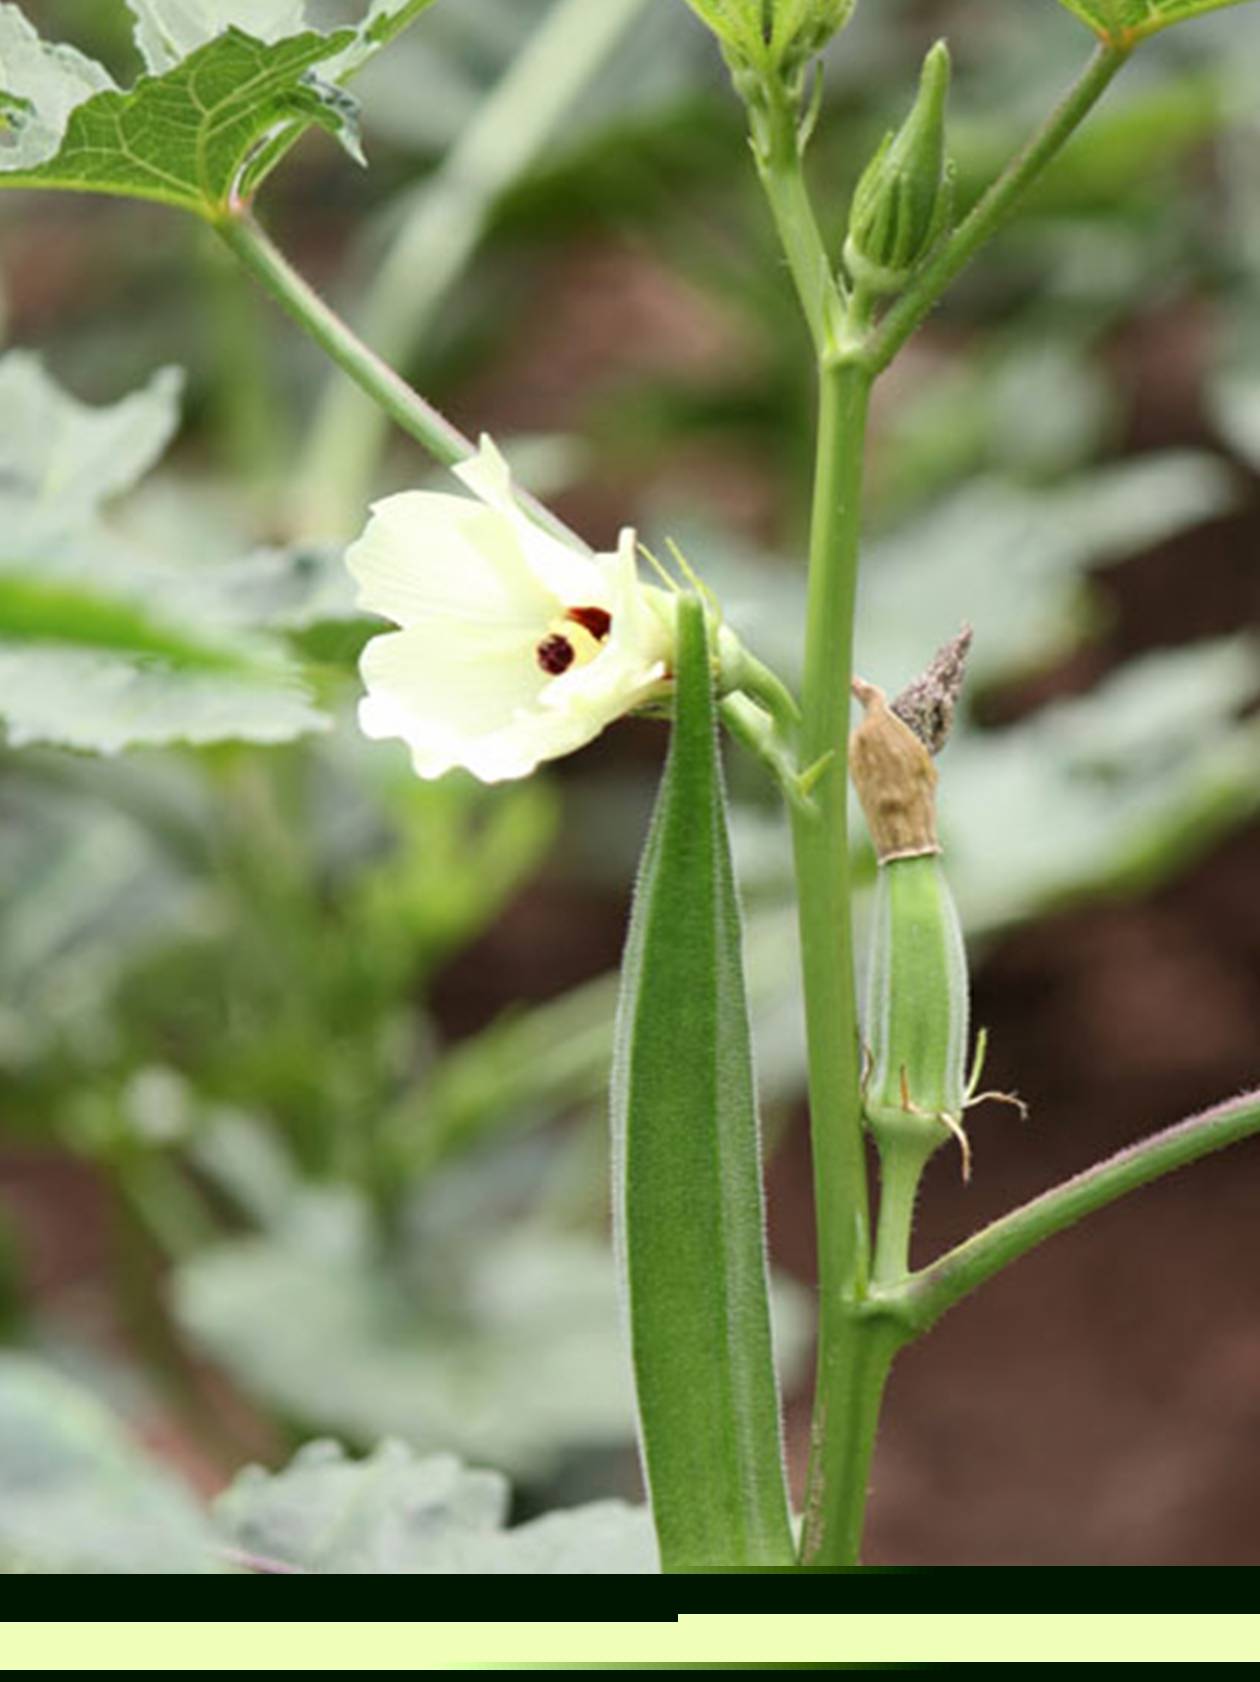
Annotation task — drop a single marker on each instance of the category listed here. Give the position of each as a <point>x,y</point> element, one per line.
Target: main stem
<point>851,1370</point>
<point>856,1344</point>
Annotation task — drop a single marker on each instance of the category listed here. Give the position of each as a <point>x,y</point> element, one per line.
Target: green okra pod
<point>917,1002</point>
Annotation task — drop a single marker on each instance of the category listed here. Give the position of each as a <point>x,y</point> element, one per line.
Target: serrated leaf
<point>396,1514</point>
<point>76,1496</point>
<point>197,136</point>
<point>1125,21</point>
<point>229,88</point>
<point>688,1193</point>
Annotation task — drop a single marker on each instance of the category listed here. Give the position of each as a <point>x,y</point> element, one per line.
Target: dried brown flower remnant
<point>895,779</point>
<point>927,705</point>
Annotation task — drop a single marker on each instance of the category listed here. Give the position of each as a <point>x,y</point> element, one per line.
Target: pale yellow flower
<point>514,647</point>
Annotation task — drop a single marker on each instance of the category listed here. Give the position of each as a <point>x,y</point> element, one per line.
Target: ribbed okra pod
<point>916,1020</point>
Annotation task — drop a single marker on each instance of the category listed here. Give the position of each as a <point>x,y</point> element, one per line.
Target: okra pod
<point>916,1021</point>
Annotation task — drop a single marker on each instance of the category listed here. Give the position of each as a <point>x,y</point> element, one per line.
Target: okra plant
<point>513,644</point>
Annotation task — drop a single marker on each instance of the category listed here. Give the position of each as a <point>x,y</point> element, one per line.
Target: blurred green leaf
<point>1010,559</point>
<point>76,1496</point>
<point>65,458</point>
<point>168,30</point>
<point>1125,21</point>
<point>494,1338</point>
<point>1013,561</point>
<point>395,1514</point>
<point>102,647</point>
<point>511,1353</point>
<point>33,610</point>
<point>94,887</point>
<point>1107,792</point>
<point>77,698</point>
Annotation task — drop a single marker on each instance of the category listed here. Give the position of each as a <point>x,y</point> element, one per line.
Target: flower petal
<point>470,701</point>
<point>426,555</point>
<point>575,578</point>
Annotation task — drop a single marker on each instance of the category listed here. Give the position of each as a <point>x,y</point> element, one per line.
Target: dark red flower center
<point>555,655</point>
<point>556,652</point>
<point>596,620</point>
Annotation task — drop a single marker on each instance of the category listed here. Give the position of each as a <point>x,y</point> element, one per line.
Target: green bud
<point>799,29</point>
<point>774,37</point>
<point>904,199</point>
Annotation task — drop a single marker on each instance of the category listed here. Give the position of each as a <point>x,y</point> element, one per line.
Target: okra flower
<point>514,646</point>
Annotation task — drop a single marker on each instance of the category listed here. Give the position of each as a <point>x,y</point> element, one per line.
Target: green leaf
<point>1105,792</point>
<point>198,136</point>
<point>42,86</point>
<point>78,698</point>
<point>66,458</point>
<point>688,1195</point>
<point>395,1514</point>
<point>104,646</point>
<point>1123,22</point>
<point>175,686</point>
<point>76,1496</point>
<point>508,1351</point>
<point>34,610</point>
<point>230,86</point>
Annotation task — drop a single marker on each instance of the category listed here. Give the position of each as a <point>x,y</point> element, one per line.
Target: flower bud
<point>798,29</point>
<point>903,201</point>
<point>774,37</point>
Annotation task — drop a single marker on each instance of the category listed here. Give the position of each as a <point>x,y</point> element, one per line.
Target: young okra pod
<point>916,1021</point>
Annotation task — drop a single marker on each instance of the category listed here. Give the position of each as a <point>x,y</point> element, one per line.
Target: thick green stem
<point>439,234</point>
<point>848,1378</point>
<point>928,1294</point>
<point>925,289</point>
<point>269,266</point>
<point>856,1346</point>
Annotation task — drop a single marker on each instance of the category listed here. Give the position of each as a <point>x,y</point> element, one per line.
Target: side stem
<point>927,1295</point>
<point>271,268</point>
<point>991,211</point>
